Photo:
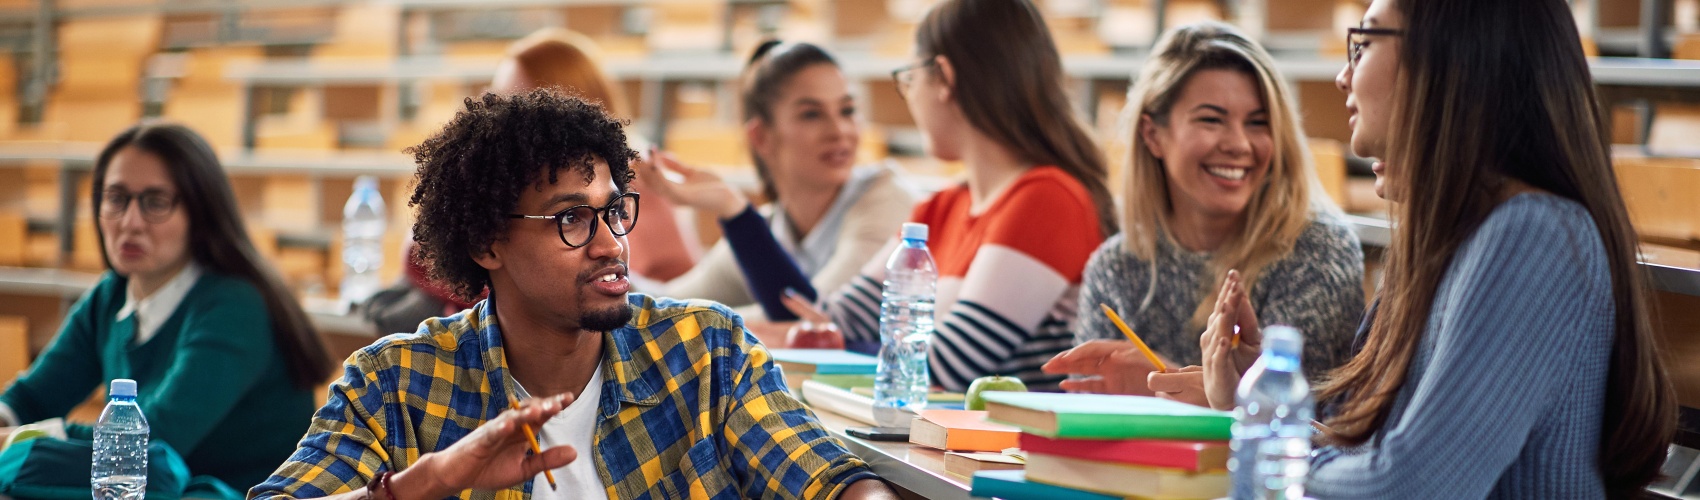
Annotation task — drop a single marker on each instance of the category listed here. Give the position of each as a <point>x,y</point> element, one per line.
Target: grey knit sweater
<point>1318,288</point>
<point>1504,396</point>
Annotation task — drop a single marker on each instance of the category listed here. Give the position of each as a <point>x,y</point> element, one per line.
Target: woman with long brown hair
<point>225,360</point>
<point>1011,242</point>
<point>1511,354</point>
<point>823,212</point>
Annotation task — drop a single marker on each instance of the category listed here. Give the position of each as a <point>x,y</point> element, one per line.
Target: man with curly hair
<point>528,194</point>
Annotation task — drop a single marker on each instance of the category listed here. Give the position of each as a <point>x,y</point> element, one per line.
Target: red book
<point>1194,456</point>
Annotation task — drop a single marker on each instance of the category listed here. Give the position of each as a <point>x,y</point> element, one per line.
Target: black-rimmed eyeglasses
<point>1355,41</point>
<point>905,75</point>
<point>155,205</point>
<point>577,224</point>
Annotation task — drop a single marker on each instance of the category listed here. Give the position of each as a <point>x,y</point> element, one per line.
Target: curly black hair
<point>471,173</point>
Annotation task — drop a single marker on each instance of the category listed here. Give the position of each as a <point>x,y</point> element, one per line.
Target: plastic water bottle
<point>906,330</point>
<point>363,224</point>
<point>1272,422</point>
<point>120,469</point>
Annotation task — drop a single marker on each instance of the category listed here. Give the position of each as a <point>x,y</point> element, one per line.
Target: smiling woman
<point>1219,179</point>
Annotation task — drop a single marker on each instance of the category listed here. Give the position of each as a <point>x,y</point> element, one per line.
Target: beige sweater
<point>868,223</point>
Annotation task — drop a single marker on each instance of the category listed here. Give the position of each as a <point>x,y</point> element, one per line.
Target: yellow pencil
<point>531,439</point>
<point>1155,361</point>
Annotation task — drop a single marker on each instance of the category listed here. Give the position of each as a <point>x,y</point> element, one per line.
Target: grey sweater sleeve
<point>1319,290</point>
<point>1521,321</point>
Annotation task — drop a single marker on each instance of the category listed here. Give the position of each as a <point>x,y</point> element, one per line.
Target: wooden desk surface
<point>917,469</point>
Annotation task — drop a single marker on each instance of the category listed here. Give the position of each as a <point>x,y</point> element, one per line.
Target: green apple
<point>975,399</point>
<point>23,434</point>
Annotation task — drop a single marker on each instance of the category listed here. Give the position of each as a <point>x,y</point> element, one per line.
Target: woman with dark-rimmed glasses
<point>224,358</point>
<point>1511,351</point>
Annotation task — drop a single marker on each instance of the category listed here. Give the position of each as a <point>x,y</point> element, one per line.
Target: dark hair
<point>770,69</point>
<point>1009,83</point>
<point>1490,91</point>
<point>218,239</point>
<point>471,172</point>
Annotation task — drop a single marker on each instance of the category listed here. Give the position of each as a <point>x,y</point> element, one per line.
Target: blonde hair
<point>1279,211</point>
<point>558,57</point>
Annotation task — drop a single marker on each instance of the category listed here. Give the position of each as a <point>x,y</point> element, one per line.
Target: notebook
<point>1185,455</point>
<point>961,430</point>
<point>1013,485</point>
<point>1125,480</point>
<point>1098,416</point>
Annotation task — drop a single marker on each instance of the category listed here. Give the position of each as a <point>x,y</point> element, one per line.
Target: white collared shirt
<point>151,312</point>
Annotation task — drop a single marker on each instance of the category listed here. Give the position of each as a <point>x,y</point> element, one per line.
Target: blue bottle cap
<point>122,387</point>
<point>914,231</point>
<point>1283,340</point>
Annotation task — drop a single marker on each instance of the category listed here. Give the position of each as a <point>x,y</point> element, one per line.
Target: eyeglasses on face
<point>577,224</point>
<point>1356,38</point>
<point>905,76</point>
<point>156,205</point>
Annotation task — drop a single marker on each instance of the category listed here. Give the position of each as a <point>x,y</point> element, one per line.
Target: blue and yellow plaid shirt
<point>691,407</point>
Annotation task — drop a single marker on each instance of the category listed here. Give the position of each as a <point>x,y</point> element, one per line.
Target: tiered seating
<point>100,67</point>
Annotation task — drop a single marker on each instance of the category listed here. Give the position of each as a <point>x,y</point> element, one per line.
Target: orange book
<point>962,430</point>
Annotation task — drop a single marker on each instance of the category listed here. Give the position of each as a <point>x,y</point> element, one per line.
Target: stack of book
<point>967,441</point>
<point>835,367</point>
<point>1089,446</point>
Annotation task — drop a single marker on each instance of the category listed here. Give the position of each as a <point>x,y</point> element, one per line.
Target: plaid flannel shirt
<point>691,406</point>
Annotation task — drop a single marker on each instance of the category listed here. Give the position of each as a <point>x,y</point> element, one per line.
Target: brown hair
<point>1016,96</point>
<point>1492,91</point>
<point>769,71</point>
<point>1278,212</point>
<point>557,57</point>
<point>218,237</point>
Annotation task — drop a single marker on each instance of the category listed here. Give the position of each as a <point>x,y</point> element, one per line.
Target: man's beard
<point>609,319</point>
<point>606,320</point>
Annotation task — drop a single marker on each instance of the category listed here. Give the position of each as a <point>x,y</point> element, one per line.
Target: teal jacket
<point>211,382</point>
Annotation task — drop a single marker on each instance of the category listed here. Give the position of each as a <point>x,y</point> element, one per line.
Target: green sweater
<point>211,381</point>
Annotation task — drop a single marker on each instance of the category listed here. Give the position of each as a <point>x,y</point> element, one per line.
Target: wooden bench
<point>1661,194</point>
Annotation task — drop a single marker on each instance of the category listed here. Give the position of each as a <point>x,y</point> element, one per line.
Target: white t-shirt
<point>574,426</point>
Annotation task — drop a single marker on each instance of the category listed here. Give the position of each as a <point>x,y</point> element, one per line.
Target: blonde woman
<point>1219,179</point>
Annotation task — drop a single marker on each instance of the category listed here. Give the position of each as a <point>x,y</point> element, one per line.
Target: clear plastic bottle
<point>120,468</point>
<point>363,224</point>
<point>1272,422</point>
<point>906,330</point>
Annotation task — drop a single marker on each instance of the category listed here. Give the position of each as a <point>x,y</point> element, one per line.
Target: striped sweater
<point>1505,395</point>
<point>1008,279</point>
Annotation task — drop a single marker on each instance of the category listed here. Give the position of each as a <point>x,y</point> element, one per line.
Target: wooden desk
<point>917,470</point>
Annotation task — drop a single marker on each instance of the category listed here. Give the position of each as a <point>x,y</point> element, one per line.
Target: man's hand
<point>497,455</point>
<point>1110,367</point>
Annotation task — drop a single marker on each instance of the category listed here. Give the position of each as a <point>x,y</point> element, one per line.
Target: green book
<point>1097,416</point>
<point>1013,485</point>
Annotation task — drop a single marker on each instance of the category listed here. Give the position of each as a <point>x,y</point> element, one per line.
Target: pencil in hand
<point>1143,349</point>
<point>531,439</point>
